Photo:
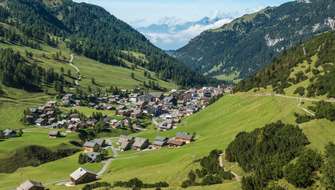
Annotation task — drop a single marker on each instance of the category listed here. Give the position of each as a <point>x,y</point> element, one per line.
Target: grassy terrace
<point>216,127</point>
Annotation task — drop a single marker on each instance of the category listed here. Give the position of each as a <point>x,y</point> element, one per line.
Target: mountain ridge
<point>259,37</point>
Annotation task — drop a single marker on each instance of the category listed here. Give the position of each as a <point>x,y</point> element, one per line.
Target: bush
<point>327,170</point>
<point>300,91</point>
<point>300,173</point>
<point>97,185</point>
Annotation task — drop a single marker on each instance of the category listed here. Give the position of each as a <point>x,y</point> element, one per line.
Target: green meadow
<point>215,128</point>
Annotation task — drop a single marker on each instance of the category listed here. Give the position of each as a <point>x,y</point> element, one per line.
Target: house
<point>160,142</point>
<point>94,157</point>
<point>82,175</point>
<point>145,98</point>
<point>30,185</point>
<point>166,125</point>
<point>54,134</point>
<point>175,143</point>
<point>91,146</point>
<point>140,143</point>
<point>137,113</point>
<point>125,142</point>
<point>184,137</point>
<point>8,133</point>
<point>41,122</point>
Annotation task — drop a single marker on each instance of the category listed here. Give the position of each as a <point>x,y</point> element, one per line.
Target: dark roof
<point>175,142</point>
<point>54,133</point>
<point>184,135</point>
<point>29,184</point>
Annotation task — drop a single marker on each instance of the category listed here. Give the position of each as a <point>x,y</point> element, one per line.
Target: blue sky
<point>148,11</point>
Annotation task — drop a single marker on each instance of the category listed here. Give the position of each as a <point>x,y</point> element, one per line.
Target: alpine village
<point>88,102</point>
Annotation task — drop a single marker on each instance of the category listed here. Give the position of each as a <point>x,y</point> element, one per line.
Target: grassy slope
<point>216,127</point>
<point>15,101</point>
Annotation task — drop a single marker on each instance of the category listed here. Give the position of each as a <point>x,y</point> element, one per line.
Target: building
<point>54,134</point>
<point>160,142</point>
<point>8,133</point>
<point>30,185</point>
<point>125,142</point>
<point>140,143</point>
<point>184,137</point>
<point>91,146</point>
<point>82,175</point>
<point>173,143</point>
<point>94,157</point>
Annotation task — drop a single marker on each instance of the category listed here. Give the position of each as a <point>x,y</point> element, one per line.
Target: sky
<point>149,11</point>
<point>142,13</point>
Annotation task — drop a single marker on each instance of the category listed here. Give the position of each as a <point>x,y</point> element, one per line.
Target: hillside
<point>90,31</point>
<point>306,70</point>
<point>247,44</point>
<point>233,114</point>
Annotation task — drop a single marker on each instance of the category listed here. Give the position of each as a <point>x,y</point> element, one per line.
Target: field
<point>215,128</point>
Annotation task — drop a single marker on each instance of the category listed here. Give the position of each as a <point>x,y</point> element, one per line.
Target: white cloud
<point>176,39</point>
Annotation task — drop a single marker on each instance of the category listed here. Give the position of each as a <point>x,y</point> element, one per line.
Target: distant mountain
<point>250,42</point>
<point>173,34</point>
<point>307,69</point>
<point>91,31</point>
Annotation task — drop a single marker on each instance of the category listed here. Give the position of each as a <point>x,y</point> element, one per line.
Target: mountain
<point>171,34</point>
<point>250,42</point>
<point>306,70</point>
<point>91,31</point>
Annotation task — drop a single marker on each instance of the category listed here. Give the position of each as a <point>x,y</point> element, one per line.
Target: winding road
<point>75,68</point>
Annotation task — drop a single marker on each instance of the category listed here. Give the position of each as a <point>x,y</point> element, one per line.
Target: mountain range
<point>248,43</point>
<point>171,34</point>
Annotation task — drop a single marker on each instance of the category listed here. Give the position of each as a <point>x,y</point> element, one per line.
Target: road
<point>75,68</point>
<point>300,99</point>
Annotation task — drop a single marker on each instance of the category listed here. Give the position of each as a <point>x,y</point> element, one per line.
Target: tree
<point>93,81</point>
<point>1,90</point>
<point>132,75</point>
<point>69,73</point>
<point>300,173</point>
<point>327,170</point>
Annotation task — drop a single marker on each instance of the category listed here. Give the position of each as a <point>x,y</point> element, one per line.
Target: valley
<point>87,102</point>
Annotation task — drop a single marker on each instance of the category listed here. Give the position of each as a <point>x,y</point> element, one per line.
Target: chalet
<point>8,133</point>
<point>31,185</point>
<point>125,142</point>
<point>140,143</point>
<point>54,134</point>
<point>166,125</point>
<point>160,142</point>
<point>91,146</point>
<point>94,157</point>
<point>175,143</point>
<point>81,176</point>
<point>184,137</point>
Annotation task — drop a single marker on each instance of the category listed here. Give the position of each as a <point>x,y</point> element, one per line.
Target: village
<point>163,110</point>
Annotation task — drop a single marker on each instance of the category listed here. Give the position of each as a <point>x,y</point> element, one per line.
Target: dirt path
<point>75,68</point>
<point>221,159</point>
<point>300,99</point>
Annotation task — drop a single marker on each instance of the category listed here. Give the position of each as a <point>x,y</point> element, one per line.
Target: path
<point>75,68</point>
<point>105,167</point>
<point>221,158</point>
<point>300,99</point>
